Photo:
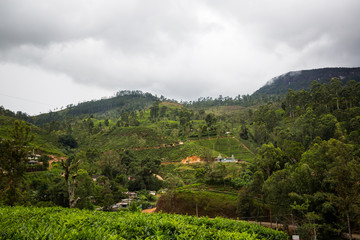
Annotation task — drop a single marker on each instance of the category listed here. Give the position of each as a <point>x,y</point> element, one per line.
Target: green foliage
<point>306,146</point>
<point>59,223</point>
<point>125,138</point>
<point>172,154</point>
<point>43,141</point>
<point>144,175</point>
<point>14,155</point>
<point>124,100</point>
<point>68,141</point>
<point>200,199</point>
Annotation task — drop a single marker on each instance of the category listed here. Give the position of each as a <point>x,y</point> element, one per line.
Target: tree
<point>105,195</point>
<point>210,120</point>
<point>85,190</point>
<point>124,119</point>
<point>68,140</point>
<point>345,175</point>
<point>290,103</point>
<point>154,111</point>
<point>326,126</point>
<point>90,125</point>
<point>277,188</point>
<point>110,164</point>
<point>309,218</point>
<point>144,175</point>
<point>14,153</point>
<point>163,110</point>
<point>217,174</point>
<point>335,88</point>
<point>269,158</point>
<point>70,166</point>
<point>45,160</point>
<point>201,114</point>
<point>293,150</point>
<point>106,122</point>
<point>244,132</point>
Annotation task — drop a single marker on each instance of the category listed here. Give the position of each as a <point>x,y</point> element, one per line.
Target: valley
<point>290,158</point>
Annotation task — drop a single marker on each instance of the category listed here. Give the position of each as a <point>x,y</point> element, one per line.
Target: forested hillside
<point>299,80</point>
<point>291,159</point>
<point>122,101</point>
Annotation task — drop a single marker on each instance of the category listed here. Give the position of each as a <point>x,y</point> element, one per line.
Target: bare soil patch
<point>192,159</point>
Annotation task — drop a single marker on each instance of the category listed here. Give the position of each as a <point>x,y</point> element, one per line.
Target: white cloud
<point>180,49</point>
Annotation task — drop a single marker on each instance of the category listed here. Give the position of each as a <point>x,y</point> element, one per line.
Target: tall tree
<point>269,158</point>
<point>290,103</point>
<point>14,153</point>
<point>154,111</point>
<point>345,175</point>
<point>70,167</point>
<point>335,88</point>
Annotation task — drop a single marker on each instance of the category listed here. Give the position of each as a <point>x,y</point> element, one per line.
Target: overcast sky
<point>57,52</point>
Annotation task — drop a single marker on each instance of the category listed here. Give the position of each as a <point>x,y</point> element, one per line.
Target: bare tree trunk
<point>197,212</point>
<point>70,181</point>
<point>71,191</point>
<point>349,227</point>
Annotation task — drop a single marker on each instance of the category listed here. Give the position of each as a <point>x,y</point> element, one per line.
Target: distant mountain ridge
<point>125,100</point>
<point>297,80</point>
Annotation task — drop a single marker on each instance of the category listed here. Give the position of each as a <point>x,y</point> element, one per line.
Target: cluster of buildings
<point>33,160</point>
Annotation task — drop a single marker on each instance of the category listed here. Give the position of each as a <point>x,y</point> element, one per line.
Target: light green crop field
<point>62,223</point>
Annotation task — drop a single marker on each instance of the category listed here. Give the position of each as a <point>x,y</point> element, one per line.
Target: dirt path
<point>244,146</point>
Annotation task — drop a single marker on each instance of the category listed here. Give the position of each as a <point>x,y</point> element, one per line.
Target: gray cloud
<point>181,49</point>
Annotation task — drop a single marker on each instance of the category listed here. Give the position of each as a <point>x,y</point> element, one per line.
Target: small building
<point>132,195</point>
<point>33,163</point>
<point>33,155</point>
<point>221,159</point>
<point>218,159</point>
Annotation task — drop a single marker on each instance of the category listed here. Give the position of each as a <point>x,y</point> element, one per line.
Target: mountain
<point>298,80</point>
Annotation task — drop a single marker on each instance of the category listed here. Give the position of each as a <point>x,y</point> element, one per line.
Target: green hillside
<point>112,106</point>
<point>300,150</point>
<point>42,142</point>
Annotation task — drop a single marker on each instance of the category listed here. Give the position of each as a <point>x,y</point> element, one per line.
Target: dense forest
<point>296,157</point>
